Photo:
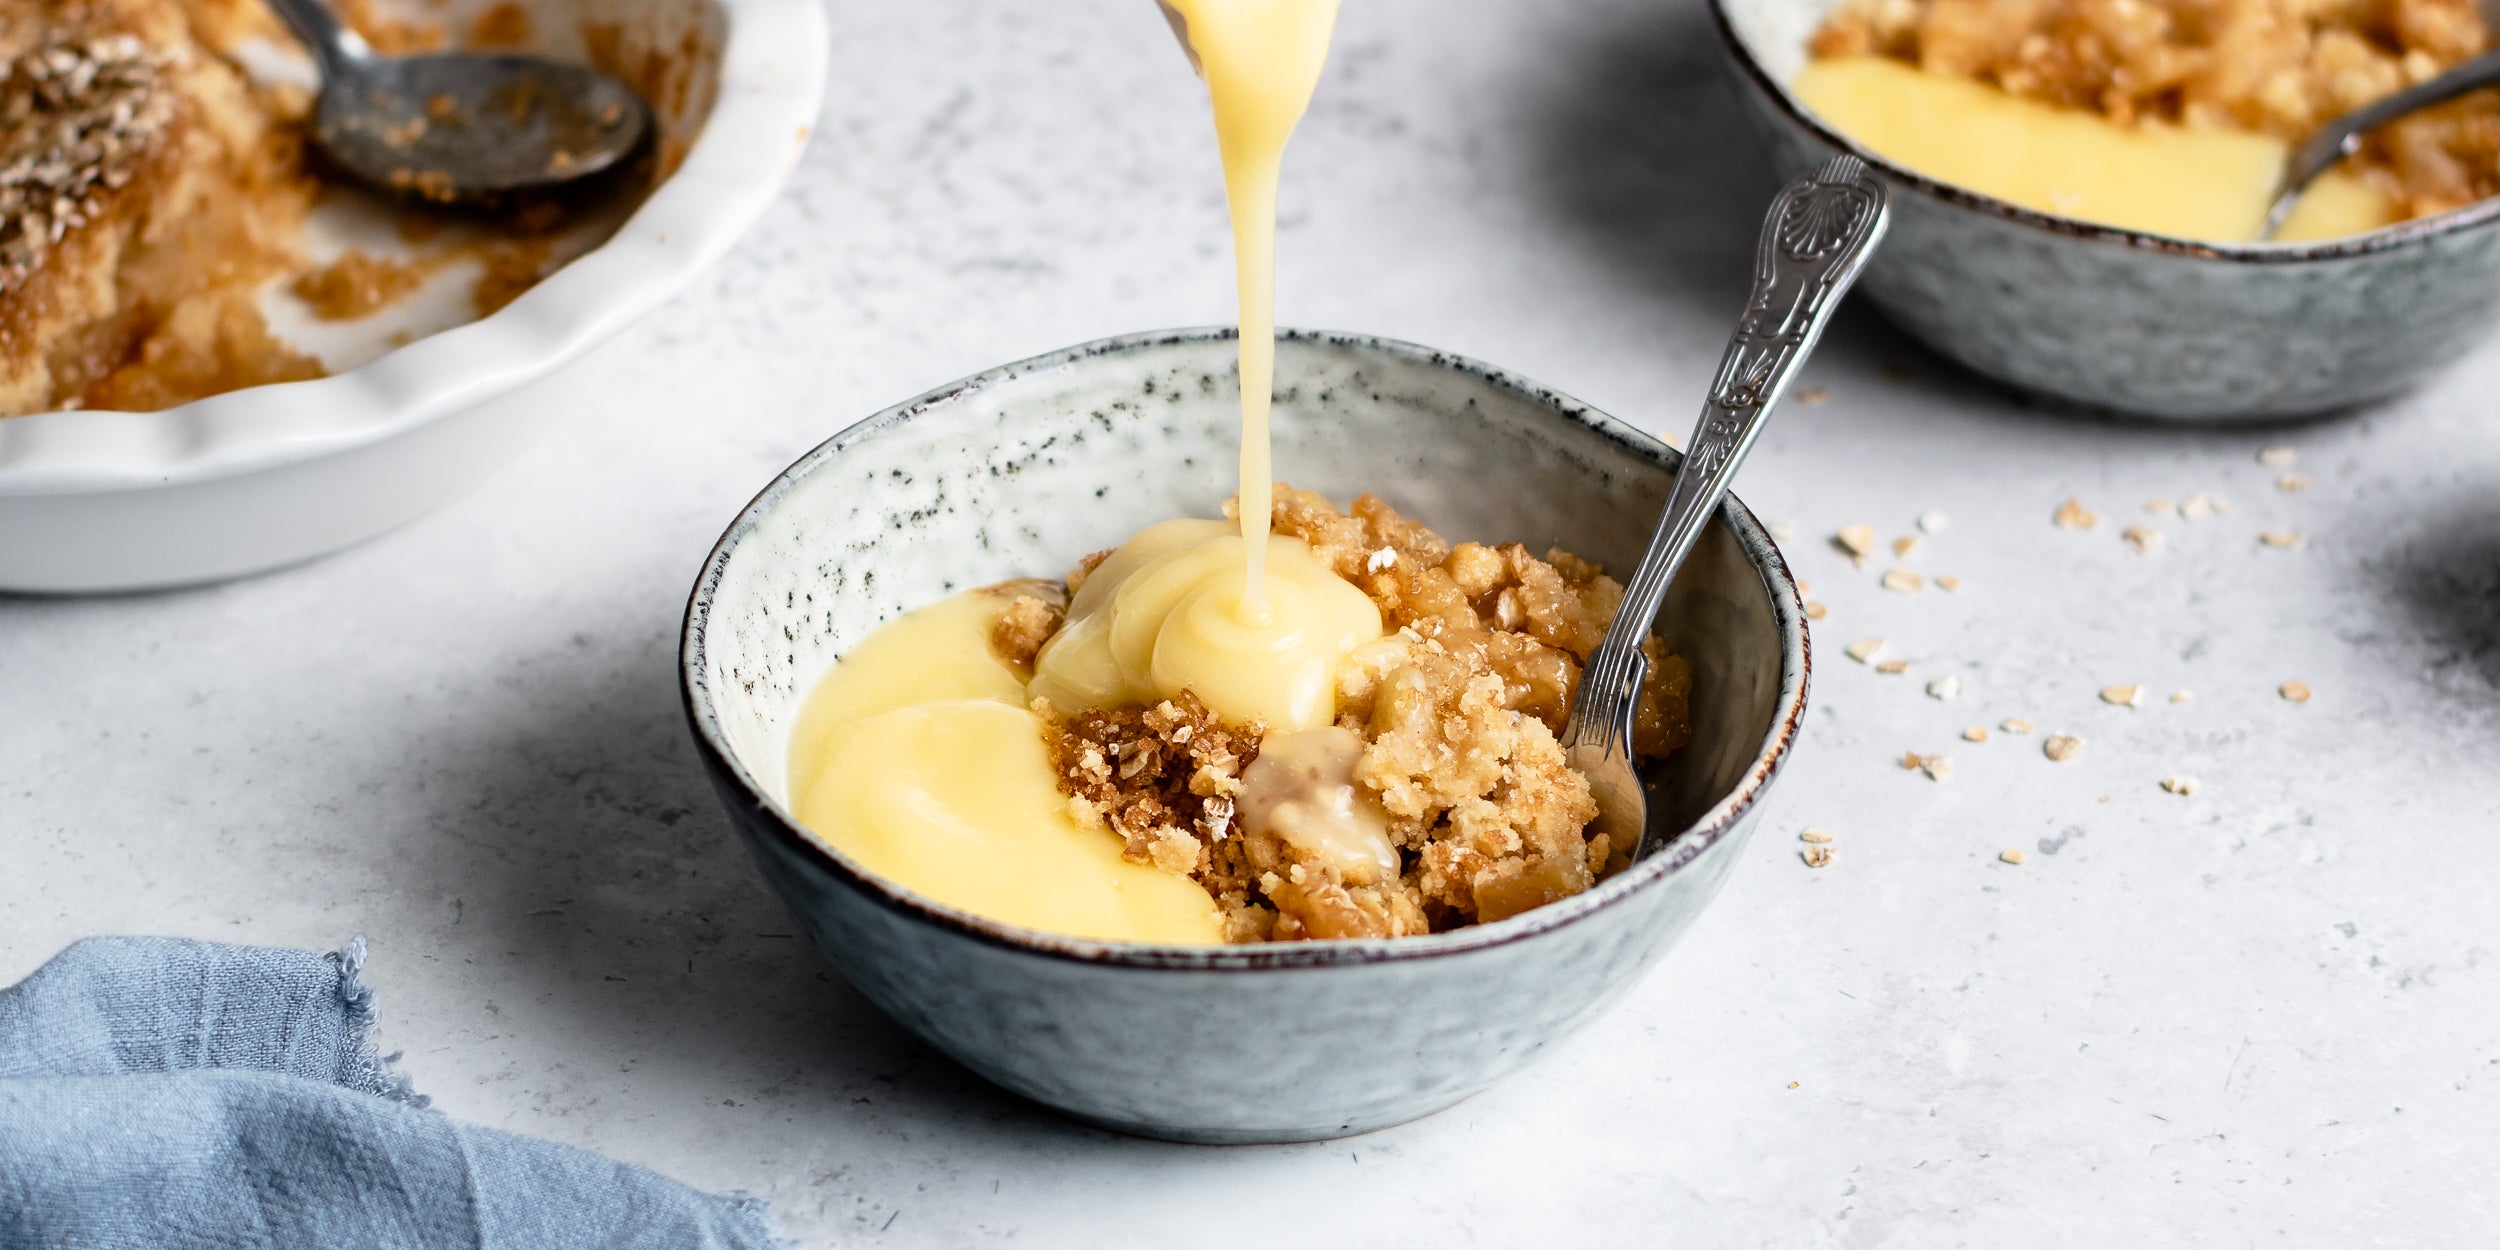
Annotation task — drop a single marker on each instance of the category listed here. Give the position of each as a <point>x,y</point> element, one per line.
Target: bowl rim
<point>1723,818</point>
<point>767,94</point>
<point>2404,234</point>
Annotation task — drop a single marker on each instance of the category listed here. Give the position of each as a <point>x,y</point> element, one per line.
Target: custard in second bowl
<point>1033,466</point>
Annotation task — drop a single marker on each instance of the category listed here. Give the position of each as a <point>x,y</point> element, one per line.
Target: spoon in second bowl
<point>462,128</point>
<point>1815,240</point>
<point>2342,137</point>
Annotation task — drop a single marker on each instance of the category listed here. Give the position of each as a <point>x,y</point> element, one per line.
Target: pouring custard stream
<point>1261,61</point>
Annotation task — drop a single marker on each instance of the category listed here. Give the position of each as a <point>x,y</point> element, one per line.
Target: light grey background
<point>2263,1015</point>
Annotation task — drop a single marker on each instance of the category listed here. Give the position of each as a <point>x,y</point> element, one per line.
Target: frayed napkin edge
<point>757,1215</point>
<point>362,1066</point>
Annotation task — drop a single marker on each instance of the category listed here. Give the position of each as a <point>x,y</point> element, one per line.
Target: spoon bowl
<point>462,128</point>
<point>2342,137</point>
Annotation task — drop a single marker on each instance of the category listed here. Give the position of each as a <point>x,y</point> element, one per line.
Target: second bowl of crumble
<point>1351,1019</point>
<point>2144,323</point>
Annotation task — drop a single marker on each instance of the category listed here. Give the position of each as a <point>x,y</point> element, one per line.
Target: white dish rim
<point>770,89</point>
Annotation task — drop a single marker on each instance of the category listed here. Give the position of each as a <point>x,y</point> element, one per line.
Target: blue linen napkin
<point>170,1094</point>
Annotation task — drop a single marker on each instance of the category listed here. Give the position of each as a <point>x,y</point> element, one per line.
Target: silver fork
<point>1815,240</point>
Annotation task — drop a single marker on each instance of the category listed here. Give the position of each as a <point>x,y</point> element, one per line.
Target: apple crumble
<point>151,191</point>
<point>1439,798</point>
<point>147,190</point>
<point>2274,67</point>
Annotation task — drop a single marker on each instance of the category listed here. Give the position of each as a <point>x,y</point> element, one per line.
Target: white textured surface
<point>2267,1014</point>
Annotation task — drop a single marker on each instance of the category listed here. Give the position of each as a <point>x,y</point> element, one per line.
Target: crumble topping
<point>1028,621</point>
<point>1453,716</point>
<point>357,284</point>
<point>1165,779</point>
<point>76,120</point>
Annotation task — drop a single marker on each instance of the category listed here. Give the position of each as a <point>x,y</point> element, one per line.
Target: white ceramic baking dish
<point>267,476</point>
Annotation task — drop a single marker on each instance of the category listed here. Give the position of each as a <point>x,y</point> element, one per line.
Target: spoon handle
<point>1815,240</point>
<point>329,41</point>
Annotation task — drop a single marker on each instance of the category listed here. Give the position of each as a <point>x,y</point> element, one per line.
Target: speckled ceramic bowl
<point>1020,471</point>
<point>2130,321</point>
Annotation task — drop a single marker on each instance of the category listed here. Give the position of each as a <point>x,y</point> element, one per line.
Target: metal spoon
<point>1815,240</point>
<point>2342,137</point>
<point>462,128</point>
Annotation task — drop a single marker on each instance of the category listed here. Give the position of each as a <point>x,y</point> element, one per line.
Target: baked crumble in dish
<point>2274,67</point>
<point>1446,728</point>
<point>151,192</point>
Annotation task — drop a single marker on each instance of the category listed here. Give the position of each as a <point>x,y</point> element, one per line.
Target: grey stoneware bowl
<point>1018,472</point>
<point>2134,322</point>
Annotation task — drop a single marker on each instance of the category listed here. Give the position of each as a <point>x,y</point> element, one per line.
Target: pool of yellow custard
<point>917,757</point>
<point>2205,185</point>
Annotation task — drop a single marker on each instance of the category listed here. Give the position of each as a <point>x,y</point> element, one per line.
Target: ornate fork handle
<point>1817,237</point>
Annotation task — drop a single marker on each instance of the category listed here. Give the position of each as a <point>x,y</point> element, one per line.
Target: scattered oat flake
<point>1906,581</point>
<point>1783,531</point>
<point>2015,725</point>
<point>2061,747</point>
<point>2123,696</point>
<point>1976,733</point>
<point>2181,786</point>
<point>1865,649</point>
<point>2142,538</point>
<point>1816,836</point>
<point>2010,856</point>
<point>1857,540</point>
<point>1792,1085</point>
<point>2195,506</point>
<point>1948,686</point>
<point>2283,539</point>
<point>2277,457</point>
<point>1816,611</point>
<point>1905,544</point>
<point>1813,395</point>
<point>1804,587</point>
<point>1948,583</point>
<point>2182,696</point>
<point>1932,522</point>
<point>1936,767</point>
<point>2295,691</point>
<point>2074,516</point>
<point>1893,667</point>
<point>1910,761</point>
<point>2292,483</point>
<point>2158,507</point>
<point>1816,856</point>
